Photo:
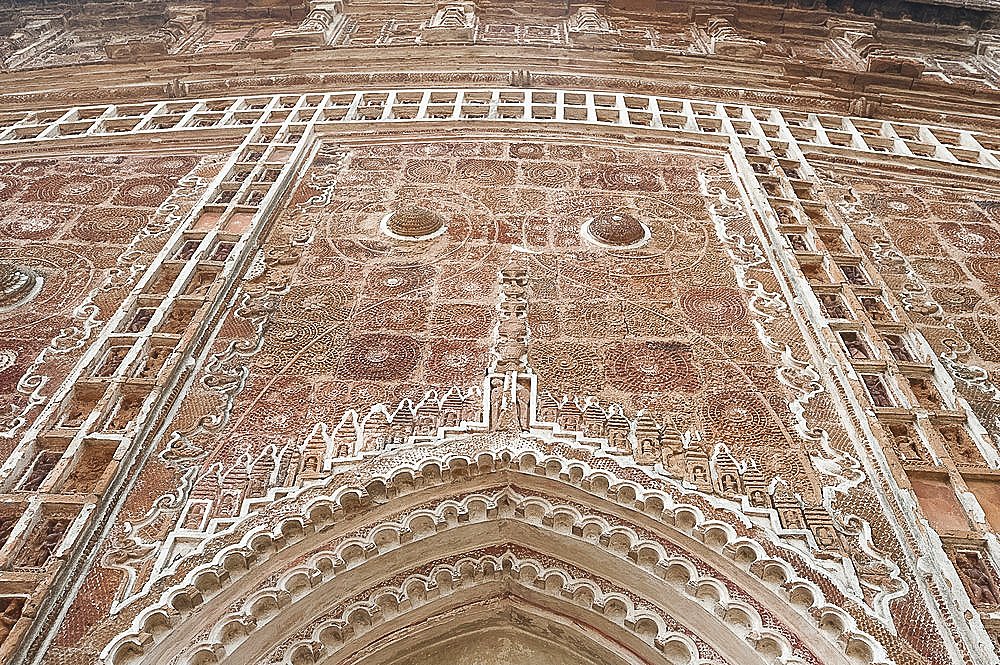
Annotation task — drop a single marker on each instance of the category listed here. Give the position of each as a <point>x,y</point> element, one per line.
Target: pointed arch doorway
<point>505,555</point>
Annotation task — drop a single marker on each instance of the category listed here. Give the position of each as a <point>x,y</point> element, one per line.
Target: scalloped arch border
<point>317,513</point>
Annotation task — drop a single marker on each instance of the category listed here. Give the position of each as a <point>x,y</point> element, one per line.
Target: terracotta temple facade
<point>474,332</point>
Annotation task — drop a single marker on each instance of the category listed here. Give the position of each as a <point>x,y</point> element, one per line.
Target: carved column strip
<point>831,281</point>
<point>186,288</point>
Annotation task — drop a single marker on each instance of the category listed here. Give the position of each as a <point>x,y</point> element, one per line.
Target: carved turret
<point>319,28</point>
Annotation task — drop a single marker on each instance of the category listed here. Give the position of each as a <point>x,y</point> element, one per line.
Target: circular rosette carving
<point>990,209</point>
<point>894,204</point>
<point>145,192</point>
<point>33,222</point>
<point>737,414</point>
<point>376,163</point>
<point>173,165</point>
<point>427,170</point>
<point>476,284</point>
<point>413,223</point>
<point>940,271</point>
<point>957,212</point>
<point>386,357</point>
<point>464,321</point>
<point>527,150</point>
<point>955,299</point>
<point>453,362</point>
<point>309,344</point>
<point>488,172</point>
<point>324,268</point>
<point>316,302</point>
<point>972,238</point>
<point>109,224</point>
<point>78,189</point>
<point>548,174</point>
<point>9,187</point>
<point>392,314</point>
<point>565,151</point>
<point>111,165</point>
<point>651,366</point>
<point>428,149</point>
<point>625,177</point>
<point>673,205</point>
<point>567,367</point>
<point>715,308</point>
<point>29,167</point>
<point>985,269</point>
<point>397,280</point>
<point>62,278</point>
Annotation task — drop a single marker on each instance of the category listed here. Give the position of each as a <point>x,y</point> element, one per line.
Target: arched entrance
<point>503,554</point>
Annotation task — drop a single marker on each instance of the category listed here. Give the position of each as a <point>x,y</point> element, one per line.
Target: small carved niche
<point>760,166</point>
<point>789,511</point>
<point>961,447</point>
<point>804,190</point>
<point>200,283</point>
<point>164,280</point>
<point>815,272</point>
<point>83,402</point>
<point>772,188</point>
<point>925,392</point>
<point>178,319</point>
<point>187,249</point>
<point>111,360</point>
<point>197,514</point>
<point>977,576</point>
<point>855,345</point>
<point>876,309</point>
<point>853,274</point>
<point>833,240</point>
<point>42,464</point>
<point>254,197</point>
<point>729,482</point>
<point>798,242</point>
<point>833,306</point>
<point>156,356</point>
<point>127,408</point>
<point>785,215</point>
<point>225,196</point>
<point>824,531</point>
<point>877,390</point>
<point>938,502</point>
<point>239,222</point>
<point>222,250</point>
<point>898,348</point>
<point>819,216</point>
<point>993,629</point>
<point>905,441</point>
<point>11,608</point>
<point>987,491</point>
<point>90,462</point>
<point>42,540</point>
<point>140,319</point>
<point>697,470</point>
<point>10,513</point>
<point>208,219</point>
